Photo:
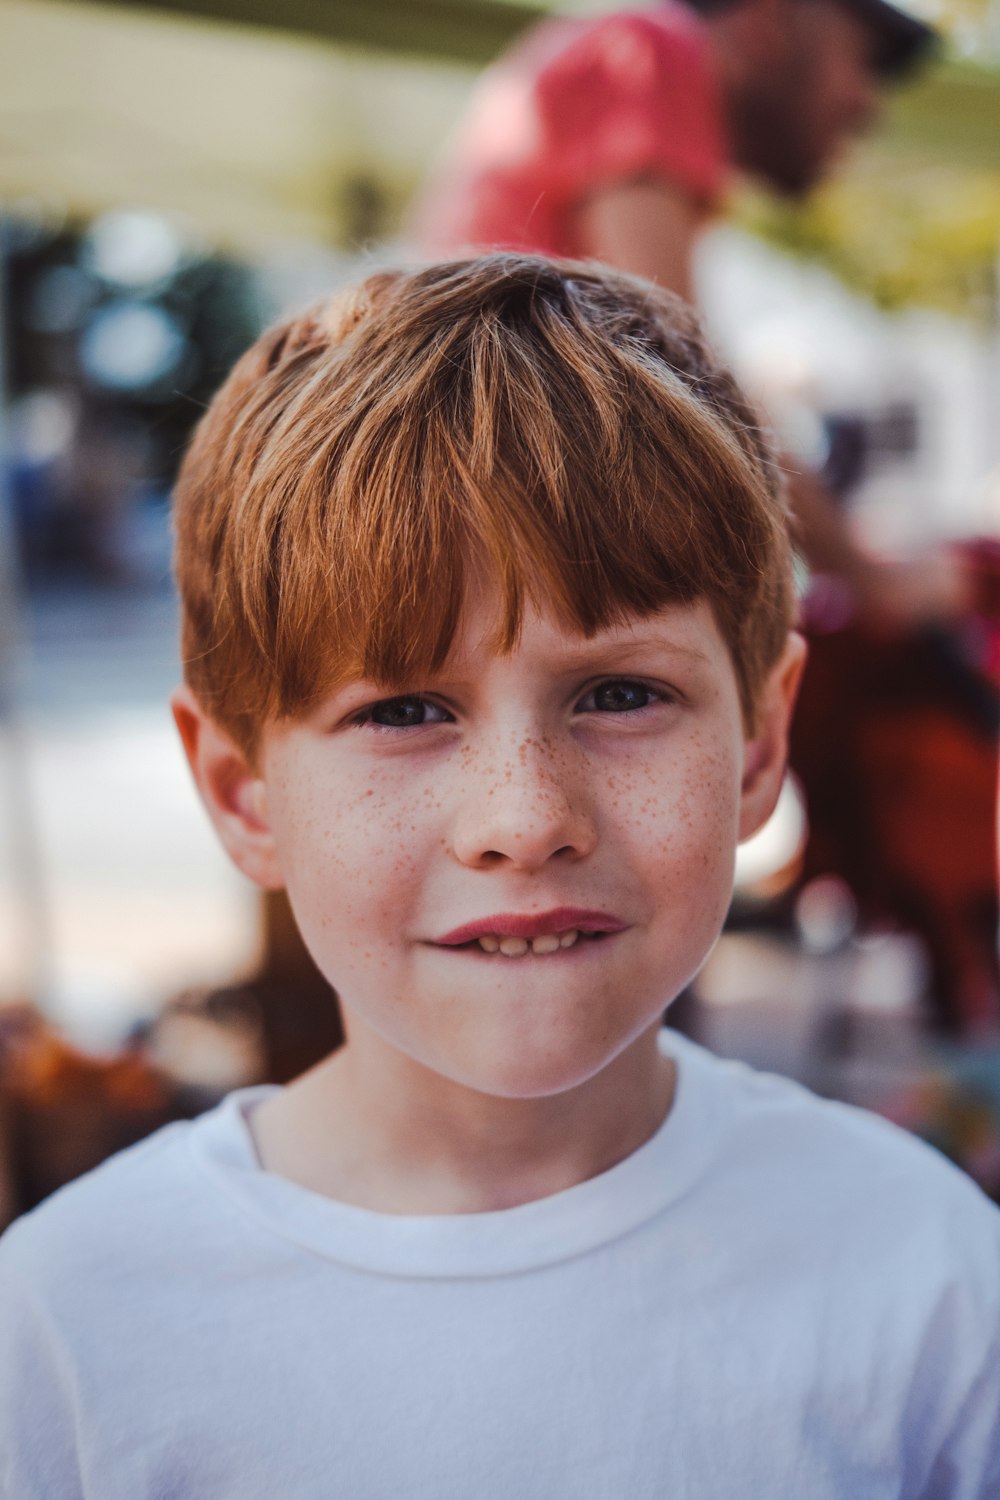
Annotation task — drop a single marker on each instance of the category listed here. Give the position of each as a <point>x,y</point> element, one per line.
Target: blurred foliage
<point>928,237</point>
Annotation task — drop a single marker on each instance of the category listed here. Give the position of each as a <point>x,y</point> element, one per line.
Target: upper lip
<point>534,924</point>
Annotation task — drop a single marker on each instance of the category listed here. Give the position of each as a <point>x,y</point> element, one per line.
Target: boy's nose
<point>524,808</point>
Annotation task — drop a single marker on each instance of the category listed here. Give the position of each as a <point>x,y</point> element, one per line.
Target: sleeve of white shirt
<point>968,1464</point>
<point>960,1366</point>
<point>38,1453</point>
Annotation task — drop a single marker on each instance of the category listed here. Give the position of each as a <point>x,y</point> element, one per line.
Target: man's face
<point>510,869</point>
<point>814,94</point>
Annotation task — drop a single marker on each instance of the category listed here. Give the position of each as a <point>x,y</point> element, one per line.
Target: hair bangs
<point>524,476</point>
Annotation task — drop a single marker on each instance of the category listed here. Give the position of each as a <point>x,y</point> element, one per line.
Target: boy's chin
<point>524,1071</point>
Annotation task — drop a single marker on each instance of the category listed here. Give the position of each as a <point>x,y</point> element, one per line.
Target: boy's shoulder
<point>149,1203</point>
<point>819,1170</point>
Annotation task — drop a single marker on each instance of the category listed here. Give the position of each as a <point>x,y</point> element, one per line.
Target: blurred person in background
<point>614,138</point>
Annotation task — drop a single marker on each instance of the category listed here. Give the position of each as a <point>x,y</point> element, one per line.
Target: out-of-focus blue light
<point>132,346</point>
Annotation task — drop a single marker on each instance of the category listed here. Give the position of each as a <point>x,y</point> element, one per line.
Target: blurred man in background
<point>614,138</point>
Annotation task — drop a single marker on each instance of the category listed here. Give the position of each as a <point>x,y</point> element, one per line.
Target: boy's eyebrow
<point>592,653</point>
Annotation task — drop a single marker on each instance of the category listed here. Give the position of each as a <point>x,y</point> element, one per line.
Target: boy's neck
<point>399,1139</point>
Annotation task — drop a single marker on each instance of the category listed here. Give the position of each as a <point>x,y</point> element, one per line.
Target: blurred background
<point>175,175</point>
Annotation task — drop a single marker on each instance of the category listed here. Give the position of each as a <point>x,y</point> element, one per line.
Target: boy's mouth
<point>515,936</point>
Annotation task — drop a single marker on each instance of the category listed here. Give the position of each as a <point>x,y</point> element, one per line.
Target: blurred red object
<point>981,557</point>
<point>895,743</point>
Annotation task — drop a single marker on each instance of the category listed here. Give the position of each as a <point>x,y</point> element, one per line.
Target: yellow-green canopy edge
<point>468,31</point>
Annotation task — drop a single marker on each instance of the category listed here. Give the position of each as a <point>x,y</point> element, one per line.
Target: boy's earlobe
<point>765,756</point>
<point>232,791</point>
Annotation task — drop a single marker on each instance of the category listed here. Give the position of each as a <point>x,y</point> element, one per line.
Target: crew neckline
<point>499,1242</point>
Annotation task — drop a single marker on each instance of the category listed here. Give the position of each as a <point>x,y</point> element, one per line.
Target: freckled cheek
<point>689,821</point>
<point>350,860</point>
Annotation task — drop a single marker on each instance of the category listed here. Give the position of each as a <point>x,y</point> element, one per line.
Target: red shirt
<point>579,104</point>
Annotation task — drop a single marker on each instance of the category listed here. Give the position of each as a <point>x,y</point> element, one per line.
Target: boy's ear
<point>764,756</point>
<point>231,790</point>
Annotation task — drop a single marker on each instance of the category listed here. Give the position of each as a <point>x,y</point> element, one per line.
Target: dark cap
<point>902,42</point>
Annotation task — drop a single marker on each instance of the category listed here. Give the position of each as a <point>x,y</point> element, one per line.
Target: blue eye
<point>618,696</point>
<point>406,712</point>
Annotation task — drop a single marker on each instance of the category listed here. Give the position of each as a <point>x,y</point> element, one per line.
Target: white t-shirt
<point>775,1298</point>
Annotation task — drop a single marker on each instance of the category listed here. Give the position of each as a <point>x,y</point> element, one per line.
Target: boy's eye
<point>406,712</point>
<point>618,696</point>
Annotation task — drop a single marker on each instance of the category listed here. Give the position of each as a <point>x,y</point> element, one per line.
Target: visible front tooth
<point>489,943</point>
<point>546,942</point>
<point>567,939</point>
<point>513,947</point>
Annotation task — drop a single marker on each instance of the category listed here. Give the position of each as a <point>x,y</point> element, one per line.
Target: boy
<point>488,661</point>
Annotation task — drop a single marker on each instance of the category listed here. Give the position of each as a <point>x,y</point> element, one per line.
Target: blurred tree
<point>929,236</point>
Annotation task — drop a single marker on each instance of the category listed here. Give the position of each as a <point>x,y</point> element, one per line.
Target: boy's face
<point>509,871</point>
